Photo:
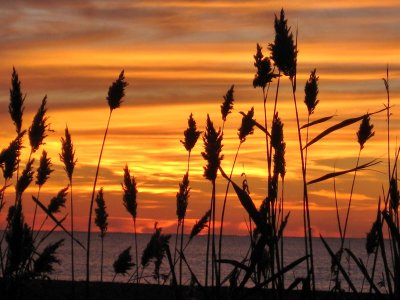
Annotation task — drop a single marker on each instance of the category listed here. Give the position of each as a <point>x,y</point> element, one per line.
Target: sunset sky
<point>181,57</point>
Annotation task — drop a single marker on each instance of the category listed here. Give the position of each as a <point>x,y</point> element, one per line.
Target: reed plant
<point>116,92</point>
<point>67,157</point>
<point>130,203</point>
<point>101,221</point>
<point>212,154</point>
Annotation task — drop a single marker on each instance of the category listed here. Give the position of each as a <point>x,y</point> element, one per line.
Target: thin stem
<point>337,209</point>
<point>351,196</point>
<point>35,212</point>
<point>136,251</point>
<point>224,205</point>
<point>91,208</point>
<point>305,193</point>
<point>102,258</point>
<point>72,243</point>
<point>213,253</point>
<point>181,247</point>
<point>265,96</point>
<point>388,119</point>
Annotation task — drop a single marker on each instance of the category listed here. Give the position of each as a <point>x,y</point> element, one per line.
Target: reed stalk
<point>115,94</point>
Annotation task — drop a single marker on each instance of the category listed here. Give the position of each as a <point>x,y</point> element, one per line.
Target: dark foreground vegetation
<point>61,290</point>
<point>261,274</point>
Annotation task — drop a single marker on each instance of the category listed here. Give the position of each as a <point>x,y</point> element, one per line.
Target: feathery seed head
<point>182,198</point>
<point>200,224</point>
<point>365,131</point>
<point>67,155</point>
<point>155,250</point>
<point>58,201</point>
<point>277,142</point>
<point>16,106</point>
<point>44,170</point>
<point>311,92</point>
<point>124,262</point>
<point>9,157</point>
<point>247,127</point>
<point>227,105</point>
<point>25,179</point>
<point>191,134</point>
<point>372,242</point>
<point>265,73</point>
<point>44,263</point>
<point>276,132</point>
<point>101,213</point>
<point>212,149</point>
<point>37,132</point>
<point>116,92</point>
<point>130,193</point>
<point>283,50</point>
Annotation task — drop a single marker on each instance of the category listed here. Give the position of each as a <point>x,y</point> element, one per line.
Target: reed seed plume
<point>9,157</point>
<point>276,132</point>
<point>200,224</point>
<point>44,170</point>
<point>124,262</point>
<point>67,155</point>
<point>372,241</point>
<point>227,105</point>
<point>2,202</point>
<point>57,202</point>
<point>25,179</point>
<point>247,126</point>
<point>44,264</point>
<point>283,50</point>
<point>101,219</point>
<point>155,250</point>
<point>191,134</point>
<point>394,194</point>
<point>365,131</point>
<point>116,92</point>
<point>130,192</point>
<point>212,149</point>
<point>39,128</point>
<point>311,92</point>
<point>182,198</point>
<point>16,106</point>
<point>277,142</point>
<point>265,73</point>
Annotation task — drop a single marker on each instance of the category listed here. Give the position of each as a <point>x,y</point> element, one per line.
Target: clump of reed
<point>21,259</point>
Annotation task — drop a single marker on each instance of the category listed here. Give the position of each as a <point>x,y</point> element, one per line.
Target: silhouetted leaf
<point>335,174</point>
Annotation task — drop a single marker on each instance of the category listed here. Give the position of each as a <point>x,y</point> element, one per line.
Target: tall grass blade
<point>318,121</point>
<point>339,265</point>
<point>55,220</point>
<point>340,125</point>
<point>335,174</point>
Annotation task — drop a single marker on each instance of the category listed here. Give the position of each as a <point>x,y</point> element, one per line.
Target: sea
<point>233,248</point>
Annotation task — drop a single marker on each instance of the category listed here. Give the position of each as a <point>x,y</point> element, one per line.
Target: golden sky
<point>181,57</point>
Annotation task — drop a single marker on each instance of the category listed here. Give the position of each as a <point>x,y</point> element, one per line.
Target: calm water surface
<point>234,247</point>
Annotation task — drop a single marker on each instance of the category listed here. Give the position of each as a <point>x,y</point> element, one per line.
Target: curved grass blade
<point>251,209</point>
<point>59,224</point>
<point>335,174</point>
<point>362,268</point>
<point>392,226</point>
<point>234,263</point>
<point>319,121</point>
<point>340,125</point>
<point>337,262</point>
<point>283,271</point>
